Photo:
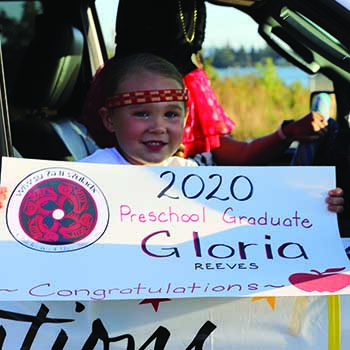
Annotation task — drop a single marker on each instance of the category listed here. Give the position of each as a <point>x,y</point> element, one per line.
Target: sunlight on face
<point>148,133</point>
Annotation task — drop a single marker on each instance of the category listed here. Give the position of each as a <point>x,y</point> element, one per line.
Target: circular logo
<point>57,210</point>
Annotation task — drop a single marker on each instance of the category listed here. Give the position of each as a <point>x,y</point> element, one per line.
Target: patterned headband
<point>147,96</point>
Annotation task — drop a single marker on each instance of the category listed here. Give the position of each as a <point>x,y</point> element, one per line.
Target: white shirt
<point>112,156</point>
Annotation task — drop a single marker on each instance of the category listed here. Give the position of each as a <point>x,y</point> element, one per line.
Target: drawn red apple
<point>327,281</point>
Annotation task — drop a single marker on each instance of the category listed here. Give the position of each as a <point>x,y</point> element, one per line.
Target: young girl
<point>146,111</point>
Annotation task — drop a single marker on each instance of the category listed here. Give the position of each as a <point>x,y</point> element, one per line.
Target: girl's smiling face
<point>147,133</point>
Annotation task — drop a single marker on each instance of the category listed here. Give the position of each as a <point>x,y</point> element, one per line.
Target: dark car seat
<point>45,83</point>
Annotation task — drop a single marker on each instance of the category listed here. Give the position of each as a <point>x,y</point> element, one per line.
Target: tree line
<point>229,57</point>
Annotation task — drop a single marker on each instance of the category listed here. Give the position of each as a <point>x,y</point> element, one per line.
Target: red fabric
<point>148,96</point>
<point>207,120</point>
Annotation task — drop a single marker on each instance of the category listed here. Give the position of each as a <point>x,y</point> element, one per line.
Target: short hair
<point>131,64</point>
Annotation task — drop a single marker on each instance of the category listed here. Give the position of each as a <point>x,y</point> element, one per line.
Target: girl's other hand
<point>335,200</point>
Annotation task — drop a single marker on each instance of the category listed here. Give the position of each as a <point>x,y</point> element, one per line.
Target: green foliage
<point>259,102</point>
<point>213,74</point>
<point>268,77</point>
<point>223,57</point>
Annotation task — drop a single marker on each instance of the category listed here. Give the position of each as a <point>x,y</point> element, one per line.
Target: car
<point>52,49</point>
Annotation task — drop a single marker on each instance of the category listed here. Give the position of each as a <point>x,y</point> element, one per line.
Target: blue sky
<point>224,26</point>
<point>229,26</point>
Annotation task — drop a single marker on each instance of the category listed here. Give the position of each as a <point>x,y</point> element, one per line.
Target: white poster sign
<point>258,323</point>
<point>75,231</point>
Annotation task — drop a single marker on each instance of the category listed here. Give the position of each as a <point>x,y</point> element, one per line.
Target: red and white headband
<point>147,96</point>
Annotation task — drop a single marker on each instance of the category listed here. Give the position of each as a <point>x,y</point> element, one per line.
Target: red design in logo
<point>58,212</point>
<point>327,281</point>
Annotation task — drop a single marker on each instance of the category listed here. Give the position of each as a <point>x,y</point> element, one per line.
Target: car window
<point>107,12</point>
<point>345,3</point>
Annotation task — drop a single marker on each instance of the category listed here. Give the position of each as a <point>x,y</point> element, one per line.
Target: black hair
<point>156,26</point>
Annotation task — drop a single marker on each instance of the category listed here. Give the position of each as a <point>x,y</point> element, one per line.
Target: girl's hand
<point>3,195</point>
<point>335,200</point>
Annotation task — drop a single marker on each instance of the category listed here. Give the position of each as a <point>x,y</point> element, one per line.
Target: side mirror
<point>322,96</point>
<point>323,101</point>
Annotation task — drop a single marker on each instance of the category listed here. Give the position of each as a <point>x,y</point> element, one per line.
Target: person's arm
<point>267,148</point>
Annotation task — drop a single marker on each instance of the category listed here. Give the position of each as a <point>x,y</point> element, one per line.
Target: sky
<point>225,26</point>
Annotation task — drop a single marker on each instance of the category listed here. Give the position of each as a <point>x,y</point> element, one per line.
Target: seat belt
<point>75,137</point>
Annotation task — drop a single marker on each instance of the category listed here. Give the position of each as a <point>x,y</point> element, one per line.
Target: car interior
<point>50,50</point>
